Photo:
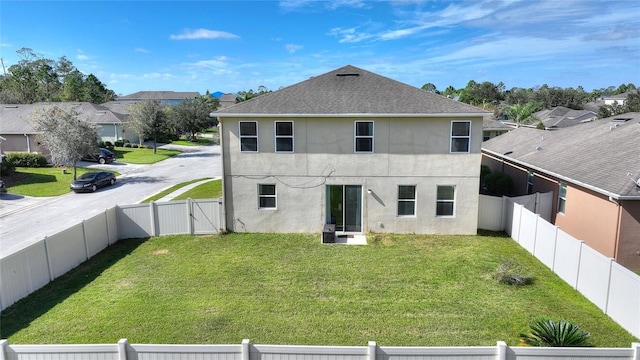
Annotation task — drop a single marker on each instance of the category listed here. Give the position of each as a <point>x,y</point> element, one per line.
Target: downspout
<point>617,232</point>
<point>28,144</point>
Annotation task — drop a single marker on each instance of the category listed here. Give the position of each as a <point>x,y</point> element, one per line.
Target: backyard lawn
<point>400,290</point>
<point>143,156</point>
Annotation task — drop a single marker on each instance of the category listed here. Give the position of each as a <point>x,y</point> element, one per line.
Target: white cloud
<point>291,48</point>
<point>202,34</point>
<point>156,75</point>
<point>349,35</point>
<point>82,57</point>
<point>142,50</point>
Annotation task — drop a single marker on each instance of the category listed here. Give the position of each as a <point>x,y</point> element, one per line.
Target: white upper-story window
<point>363,141</point>
<point>460,136</point>
<point>562,197</point>
<point>248,136</point>
<point>284,136</point>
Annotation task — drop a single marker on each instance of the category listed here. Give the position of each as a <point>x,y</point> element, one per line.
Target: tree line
<point>519,104</point>
<point>38,79</point>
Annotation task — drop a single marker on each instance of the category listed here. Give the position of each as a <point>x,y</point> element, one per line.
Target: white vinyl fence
<point>29,269</point>
<point>610,286</point>
<point>247,351</point>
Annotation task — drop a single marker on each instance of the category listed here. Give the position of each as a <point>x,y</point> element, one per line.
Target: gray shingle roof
<point>160,95</point>
<point>561,117</point>
<point>350,90</point>
<point>15,118</point>
<point>599,154</point>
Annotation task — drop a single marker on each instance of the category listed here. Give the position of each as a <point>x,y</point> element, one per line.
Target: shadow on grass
<point>33,178</point>
<point>493,233</point>
<point>19,315</point>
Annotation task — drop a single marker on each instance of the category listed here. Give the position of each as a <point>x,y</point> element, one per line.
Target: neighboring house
<point>21,136</point>
<point>226,100</point>
<point>593,171</point>
<point>353,149</point>
<point>562,117</point>
<point>492,128</point>
<point>15,128</point>
<point>619,99</point>
<point>165,97</point>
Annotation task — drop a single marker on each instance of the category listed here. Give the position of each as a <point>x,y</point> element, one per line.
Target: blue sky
<point>240,45</point>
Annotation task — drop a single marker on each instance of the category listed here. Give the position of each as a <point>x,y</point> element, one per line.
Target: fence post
<point>579,265</point>
<point>190,215</point>
<point>122,349</point>
<point>3,349</point>
<point>84,239</point>
<point>106,221</point>
<point>606,301</point>
<point>555,249</point>
<point>502,350</point>
<point>372,350</point>
<point>152,218</point>
<point>46,254</point>
<point>636,351</point>
<point>245,349</point>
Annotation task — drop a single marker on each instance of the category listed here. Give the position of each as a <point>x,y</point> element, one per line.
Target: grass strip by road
<point>42,182</point>
<point>400,290</point>
<point>168,191</point>
<point>186,142</point>
<point>209,190</point>
<point>143,156</point>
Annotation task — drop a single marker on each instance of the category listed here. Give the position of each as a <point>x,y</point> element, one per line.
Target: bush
<point>561,333</point>
<point>497,183</point>
<point>108,145</point>
<point>101,144</point>
<point>118,143</point>
<point>510,273</point>
<point>25,159</point>
<point>135,146</point>
<point>127,145</point>
<point>7,167</point>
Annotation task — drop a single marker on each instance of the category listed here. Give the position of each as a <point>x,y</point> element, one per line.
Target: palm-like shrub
<point>551,333</point>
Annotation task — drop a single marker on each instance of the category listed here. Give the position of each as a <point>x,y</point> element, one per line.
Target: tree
<point>192,115</point>
<point>430,88</point>
<point>66,136</point>
<point>521,113</point>
<point>148,119</point>
<point>483,94</point>
<point>247,95</point>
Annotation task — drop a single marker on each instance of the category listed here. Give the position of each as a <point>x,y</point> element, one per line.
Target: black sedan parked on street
<point>91,181</point>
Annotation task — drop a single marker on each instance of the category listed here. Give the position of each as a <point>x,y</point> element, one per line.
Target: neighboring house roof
<point>228,97</point>
<point>562,117</point>
<point>351,91</point>
<point>16,118</point>
<point>493,125</point>
<point>622,96</point>
<point>159,95</point>
<point>598,155</point>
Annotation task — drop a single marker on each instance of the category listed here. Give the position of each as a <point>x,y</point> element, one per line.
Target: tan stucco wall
<point>18,143</point>
<point>628,252</point>
<point>406,152</point>
<point>590,217</point>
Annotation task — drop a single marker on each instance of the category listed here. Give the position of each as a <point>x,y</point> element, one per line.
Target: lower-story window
<point>562,197</point>
<point>445,201</point>
<point>266,196</point>
<point>406,200</point>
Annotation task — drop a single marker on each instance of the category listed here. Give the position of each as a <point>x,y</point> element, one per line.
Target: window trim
<point>274,196</point>
<point>438,201</point>
<point>276,136</point>
<point>562,200</point>
<point>530,177</point>
<point>452,137</point>
<point>241,137</point>
<point>356,136</point>
<point>414,200</point>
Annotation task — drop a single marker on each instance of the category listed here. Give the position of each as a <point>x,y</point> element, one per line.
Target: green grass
<point>143,156</point>
<point>401,290</point>
<point>168,191</point>
<point>42,182</point>
<point>208,190</point>
<point>185,142</point>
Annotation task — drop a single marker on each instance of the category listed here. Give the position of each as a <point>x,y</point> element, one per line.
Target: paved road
<point>24,221</point>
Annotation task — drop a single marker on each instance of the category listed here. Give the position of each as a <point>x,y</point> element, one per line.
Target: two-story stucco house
<point>354,149</point>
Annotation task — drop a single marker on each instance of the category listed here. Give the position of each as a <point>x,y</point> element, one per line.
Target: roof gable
<point>350,90</point>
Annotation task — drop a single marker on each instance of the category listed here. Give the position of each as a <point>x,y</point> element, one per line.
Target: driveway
<point>24,220</point>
